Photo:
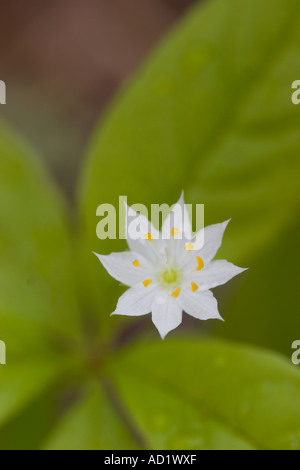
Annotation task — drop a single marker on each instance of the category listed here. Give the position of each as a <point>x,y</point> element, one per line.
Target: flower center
<point>169,276</point>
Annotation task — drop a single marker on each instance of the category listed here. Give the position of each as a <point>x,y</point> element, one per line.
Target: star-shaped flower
<point>166,275</point>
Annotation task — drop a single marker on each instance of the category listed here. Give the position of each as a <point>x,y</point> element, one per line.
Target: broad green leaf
<point>164,395</point>
<point>22,382</point>
<point>27,428</point>
<point>37,300</point>
<point>209,113</point>
<point>192,395</point>
<point>265,308</point>
<point>91,424</point>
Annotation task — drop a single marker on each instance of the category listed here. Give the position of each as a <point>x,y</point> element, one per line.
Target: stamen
<point>148,237</point>
<point>167,256</point>
<point>176,292</point>
<point>189,247</point>
<point>174,232</point>
<point>136,263</point>
<point>147,282</point>
<point>194,286</point>
<point>200,263</point>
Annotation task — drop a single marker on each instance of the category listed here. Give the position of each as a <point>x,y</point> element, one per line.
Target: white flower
<point>167,276</point>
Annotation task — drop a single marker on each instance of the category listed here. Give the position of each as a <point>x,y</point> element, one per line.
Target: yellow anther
<point>176,292</point>
<point>194,286</point>
<point>200,263</point>
<point>148,236</point>
<point>147,282</point>
<point>136,263</point>
<point>174,232</point>
<point>189,247</point>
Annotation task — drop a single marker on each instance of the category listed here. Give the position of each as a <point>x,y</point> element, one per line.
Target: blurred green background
<point>145,99</point>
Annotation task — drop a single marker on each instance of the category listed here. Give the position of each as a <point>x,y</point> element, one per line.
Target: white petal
<point>143,227</point>
<point>136,301</point>
<point>213,235</point>
<point>119,266</point>
<point>178,218</point>
<point>166,314</point>
<point>216,273</point>
<point>201,305</point>
<point>175,243</point>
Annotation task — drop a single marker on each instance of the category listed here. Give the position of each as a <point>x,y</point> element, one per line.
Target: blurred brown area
<point>63,60</point>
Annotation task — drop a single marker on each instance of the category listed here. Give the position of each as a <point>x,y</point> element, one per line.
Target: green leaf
<point>91,424</point>
<point>209,113</point>
<point>37,300</point>
<point>192,395</point>
<point>264,309</point>
<point>23,381</point>
<point>180,395</point>
<point>27,429</point>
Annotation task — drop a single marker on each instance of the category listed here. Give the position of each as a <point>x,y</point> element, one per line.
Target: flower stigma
<point>169,276</point>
